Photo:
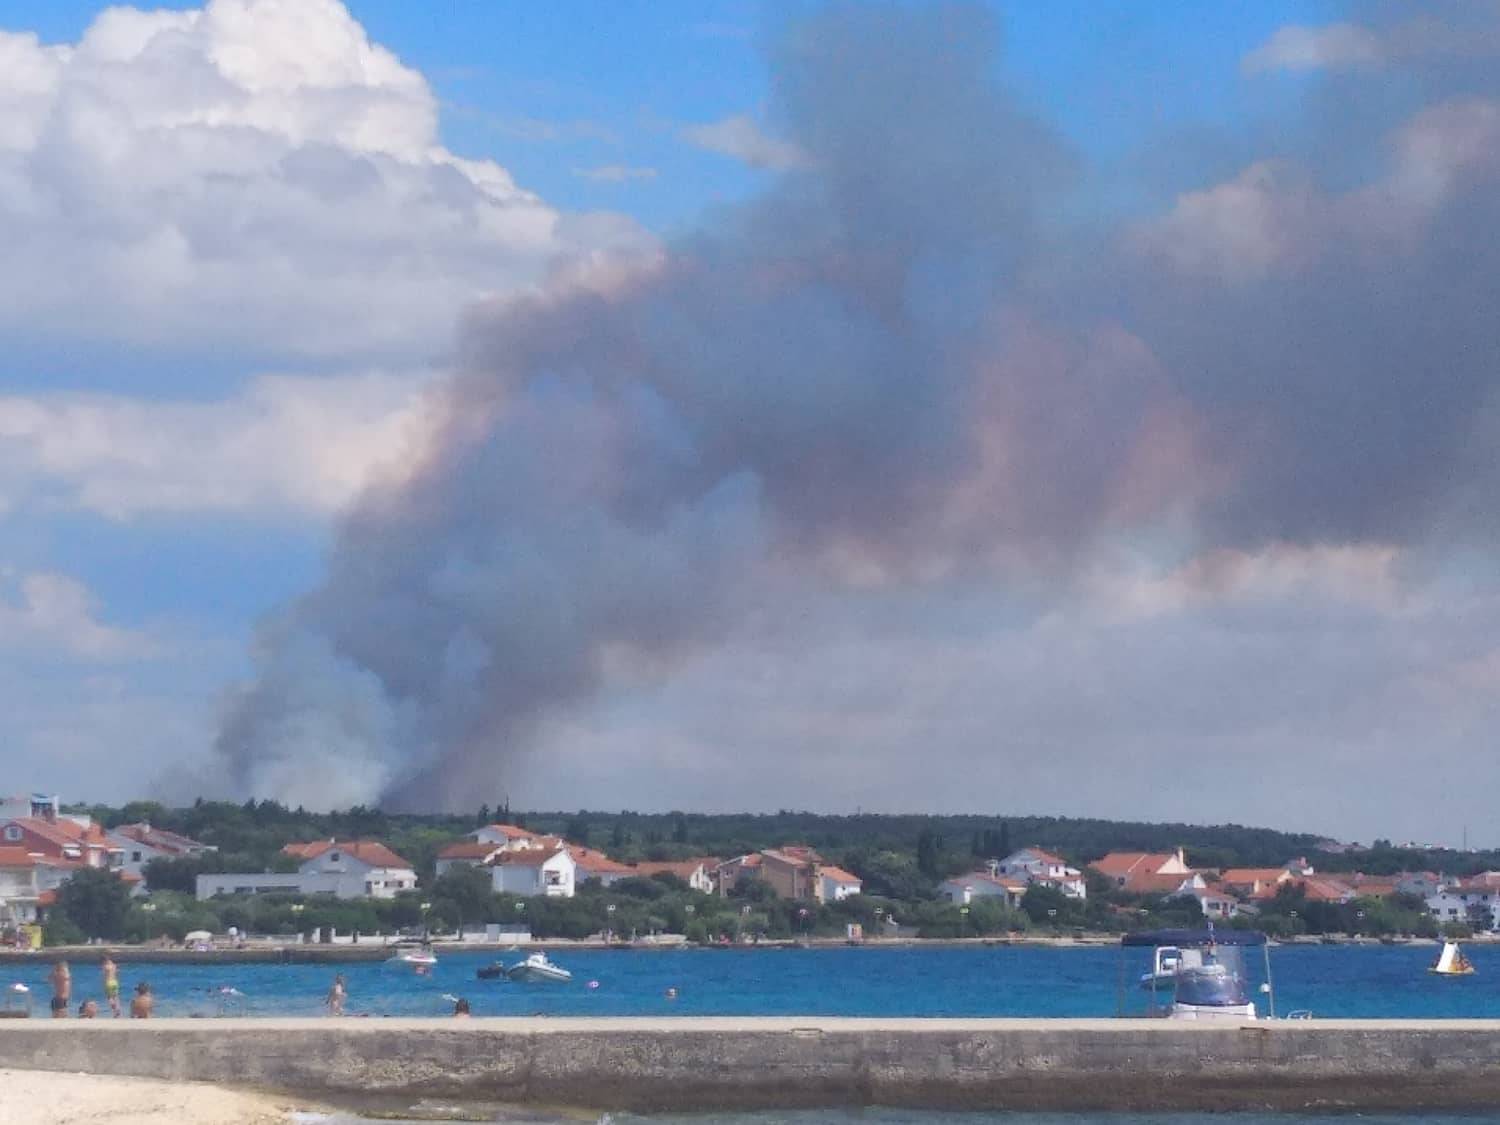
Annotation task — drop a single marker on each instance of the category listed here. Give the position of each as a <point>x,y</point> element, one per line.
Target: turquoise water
<point>1356,981</point>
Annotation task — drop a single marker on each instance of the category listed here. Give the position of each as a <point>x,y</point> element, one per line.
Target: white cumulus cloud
<point>283,445</point>
<point>48,612</point>
<point>252,173</point>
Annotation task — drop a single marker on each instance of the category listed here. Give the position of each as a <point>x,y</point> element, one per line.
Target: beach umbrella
<point>198,935</point>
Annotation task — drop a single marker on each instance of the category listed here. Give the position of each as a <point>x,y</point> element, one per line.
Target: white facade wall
<point>1451,904</point>
<point>352,877</point>
<point>961,892</point>
<point>835,890</point>
<point>258,883</point>
<point>342,878</point>
<point>555,877</point>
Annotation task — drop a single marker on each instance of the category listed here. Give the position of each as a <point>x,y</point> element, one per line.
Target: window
<point>12,831</point>
<point>333,856</point>
<point>135,857</point>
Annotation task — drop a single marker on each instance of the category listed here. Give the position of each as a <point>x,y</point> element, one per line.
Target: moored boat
<point>537,967</point>
<point>1200,974</point>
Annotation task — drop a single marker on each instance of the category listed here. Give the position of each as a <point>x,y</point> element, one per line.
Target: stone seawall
<point>688,1063</point>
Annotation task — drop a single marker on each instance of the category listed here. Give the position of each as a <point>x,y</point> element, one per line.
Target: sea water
<point>908,980</point>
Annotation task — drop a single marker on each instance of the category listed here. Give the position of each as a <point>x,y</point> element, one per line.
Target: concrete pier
<point>689,1063</point>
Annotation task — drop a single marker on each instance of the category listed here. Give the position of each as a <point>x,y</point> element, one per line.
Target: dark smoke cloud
<point>890,369</point>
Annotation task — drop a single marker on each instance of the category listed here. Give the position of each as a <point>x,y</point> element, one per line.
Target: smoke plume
<point>899,365</point>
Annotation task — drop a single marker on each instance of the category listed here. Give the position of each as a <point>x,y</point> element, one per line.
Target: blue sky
<point>246,255</point>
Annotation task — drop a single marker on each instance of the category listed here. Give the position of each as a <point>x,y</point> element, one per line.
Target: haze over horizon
<point>964,407</point>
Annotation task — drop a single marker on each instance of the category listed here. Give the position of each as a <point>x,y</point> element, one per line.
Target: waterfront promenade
<point>687,1063</point>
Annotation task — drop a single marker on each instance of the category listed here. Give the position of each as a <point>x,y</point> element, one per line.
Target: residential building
<point>75,840</point>
<point>1253,882</point>
<point>1217,906</point>
<point>964,889</point>
<point>1030,862</point>
<point>1141,872</point>
<point>510,837</point>
<point>732,872</point>
<point>465,853</point>
<point>38,805</point>
<point>696,873</point>
<point>1474,901</point>
<point>592,864</point>
<point>791,870</point>
<point>835,884</point>
<point>27,882</point>
<point>533,871</point>
<point>141,843</point>
<point>348,869</point>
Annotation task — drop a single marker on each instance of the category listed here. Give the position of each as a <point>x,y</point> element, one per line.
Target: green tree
<point>467,887</point>
<point>96,901</point>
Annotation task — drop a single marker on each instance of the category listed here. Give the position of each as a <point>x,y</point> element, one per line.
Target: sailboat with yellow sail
<point>1451,962</point>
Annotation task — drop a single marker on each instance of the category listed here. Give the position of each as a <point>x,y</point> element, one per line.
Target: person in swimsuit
<point>336,996</point>
<point>88,1010</point>
<point>62,989</point>
<point>142,1002</point>
<point>111,977</point>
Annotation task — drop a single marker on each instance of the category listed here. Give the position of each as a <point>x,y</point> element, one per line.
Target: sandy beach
<point>34,1097</point>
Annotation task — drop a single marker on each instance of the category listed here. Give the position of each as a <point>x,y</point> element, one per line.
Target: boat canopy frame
<point>1205,938</point>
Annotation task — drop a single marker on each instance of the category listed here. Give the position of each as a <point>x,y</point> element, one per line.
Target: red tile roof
<point>1248,875</point>
<point>16,857</point>
<point>592,862</point>
<point>526,857</point>
<point>468,849</point>
<point>372,852</point>
<point>838,875</point>
<point>510,832</point>
<point>1116,864</point>
<point>159,838</point>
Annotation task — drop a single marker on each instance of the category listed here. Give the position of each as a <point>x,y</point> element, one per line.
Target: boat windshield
<point>1220,981</point>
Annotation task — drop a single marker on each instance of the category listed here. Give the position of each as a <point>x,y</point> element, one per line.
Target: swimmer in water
<point>671,994</point>
<point>460,1008</point>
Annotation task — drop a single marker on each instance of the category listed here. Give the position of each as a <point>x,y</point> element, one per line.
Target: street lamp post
<point>609,930</point>
<point>963,921</point>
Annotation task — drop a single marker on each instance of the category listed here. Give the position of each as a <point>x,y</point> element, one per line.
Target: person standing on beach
<point>62,989</point>
<point>336,996</point>
<point>142,1003</point>
<point>111,977</point>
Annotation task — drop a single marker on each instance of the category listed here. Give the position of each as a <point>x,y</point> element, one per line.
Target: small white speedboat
<point>422,958</point>
<point>537,967</point>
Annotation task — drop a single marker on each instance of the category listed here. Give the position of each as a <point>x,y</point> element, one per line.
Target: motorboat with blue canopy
<point>1199,974</point>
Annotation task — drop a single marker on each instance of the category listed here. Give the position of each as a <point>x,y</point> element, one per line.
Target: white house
<point>465,853</point>
<point>352,869</point>
<point>141,843</point>
<point>39,805</point>
<point>835,884</point>
<point>533,871</point>
<point>1462,900</point>
<point>509,837</point>
<point>961,890</point>
<point>1035,865</point>
<point>1031,861</point>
